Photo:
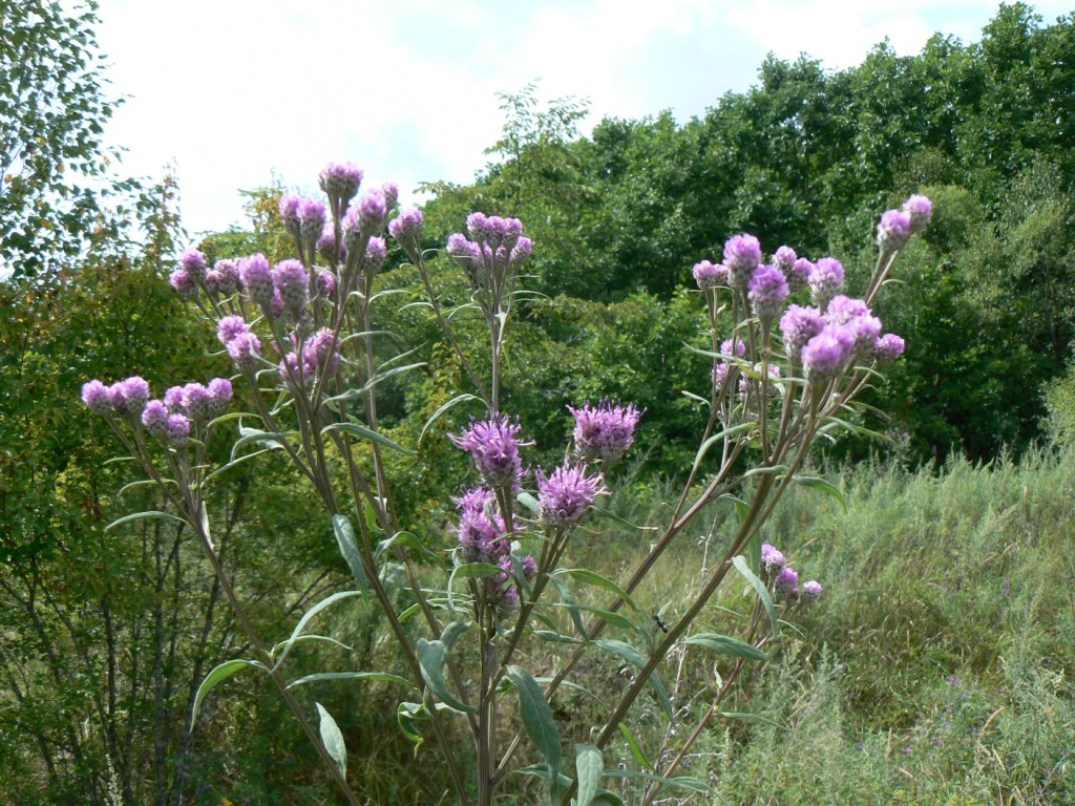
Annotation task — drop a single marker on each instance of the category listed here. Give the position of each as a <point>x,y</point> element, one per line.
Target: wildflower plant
<point>790,352</point>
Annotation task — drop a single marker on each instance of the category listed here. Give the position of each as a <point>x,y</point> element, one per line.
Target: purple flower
<point>376,252</point>
<point>155,418</point>
<point>604,431</point>
<point>220,393</point>
<point>798,326</point>
<point>893,231</point>
<point>772,559</point>
<point>406,228</point>
<point>812,589</point>
<point>786,582</point>
<point>257,279</point>
<point>742,254</point>
<point>196,401</point>
<point>565,494</point>
<point>227,272</point>
<point>326,283</point>
<point>919,209</point>
<point>340,182</point>
<point>183,283</point>
<point>372,210</point>
<point>320,350</point>
<point>494,445</point>
<point>229,327</point>
<point>326,245</point>
<point>520,253</point>
<point>480,539</point>
<point>178,430</point>
<point>799,274</point>
<point>173,399</point>
<point>708,275</point>
<point>825,281</point>
<point>243,349</point>
<point>289,213</point>
<point>390,191</point>
<point>843,309</point>
<point>292,282</point>
<point>767,290</point>
<point>826,354</point>
<point>193,263</point>
<point>888,348</point>
<point>476,226</point>
<point>785,258</point>
<point>311,219</point>
<point>129,396</point>
<point>95,395</point>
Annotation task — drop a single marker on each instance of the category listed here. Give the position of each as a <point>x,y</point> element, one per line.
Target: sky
<point>234,94</point>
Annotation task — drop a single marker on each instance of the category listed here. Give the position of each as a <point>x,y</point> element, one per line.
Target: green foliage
<point>52,118</point>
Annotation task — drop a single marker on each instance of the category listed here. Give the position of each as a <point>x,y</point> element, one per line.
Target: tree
<point>53,163</point>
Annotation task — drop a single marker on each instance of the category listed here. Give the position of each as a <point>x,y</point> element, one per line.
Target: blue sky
<point>235,92</point>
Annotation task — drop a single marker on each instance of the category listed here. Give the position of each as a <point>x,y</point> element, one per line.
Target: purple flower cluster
<point>604,431</point>
<point>406,228</point>
<point>497,248</point>
<point>742,254</point>
<point>340,182</point>
<point>785,579</point>
<point>827,343</point>
<point>709,275</point>
<point>825,281</point>
<point>319,353</point>
<point>896,226</point>
<point>565,494</point>
<point>240,341</point>
<point>223,278</point>
<point>484,537</point>
<point>169,419</point>
<point>720,368</point>
<point>190,274</point>
<point>767,289</point>
<point>494,445</point>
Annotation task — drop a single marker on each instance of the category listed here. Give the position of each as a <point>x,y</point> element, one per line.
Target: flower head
<point>787,582</point>
<point>604,431</point>
<point>799,274</point>
<point>178,430</point>
<point>798,325</point>
<point>494,446</point>
<point>784,258</point>
<point>772,559</point>
<point>311,219</point>
<point>129,396</point>
<point>289,213</point>
<point>826,280</point>
<point>292,282</point>
<point>155,418</point>
<point>893,231</point>
<point>826,355</point>
<point>566,493</point>
<point>767,291</point>
<point>340,182</point>
<point>742,254</point>
<point>193,263</point>
<point>709,275</point>
<point>888,348</point>
<point>919,209</point>
<point>257,279</point>
<point>220,392</point>
<point>407,229</point>
<point>811,589</point>
<point>95,395</point>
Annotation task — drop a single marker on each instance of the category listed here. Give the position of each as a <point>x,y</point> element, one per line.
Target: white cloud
<point>234,90</point>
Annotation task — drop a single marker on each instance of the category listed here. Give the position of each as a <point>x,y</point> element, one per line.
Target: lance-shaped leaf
<point>741,566</point>
<point>431,657</point>
<point>356,430</point>
<point>218,674</point>
<point>588,769</point>
<point>726,645</point>
<point>537,719</point>
<point>333,739</point>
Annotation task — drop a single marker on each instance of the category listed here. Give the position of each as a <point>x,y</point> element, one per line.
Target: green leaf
<point>559,638</point>
<point>615,619</point>
<point>167,516</point>
<point>356,430</point>
<point>455,401</point>
<point>725,645</point>
<point>271,440</point>
<point>305,638</point>
<point>824,486</point>
<point>588,768</point>
<point>221,672</point>
<point>309,614</point>
<point>403,540</point>
<point>682,781</point>
<point>568,601</point>
<point>407,716</point>
<point>333,739</point>
<point>741,566</point>
<point>530,503</point>
<point>727,433</point>
<point>476,570</point>
<point>594,578</point>
<point>537,719</point>
<point>345,539</point>
<point>382,676</point>
<point>637,659</point>
<point>452,632</point>
<point>636,748</point>
<point>431,657</point>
